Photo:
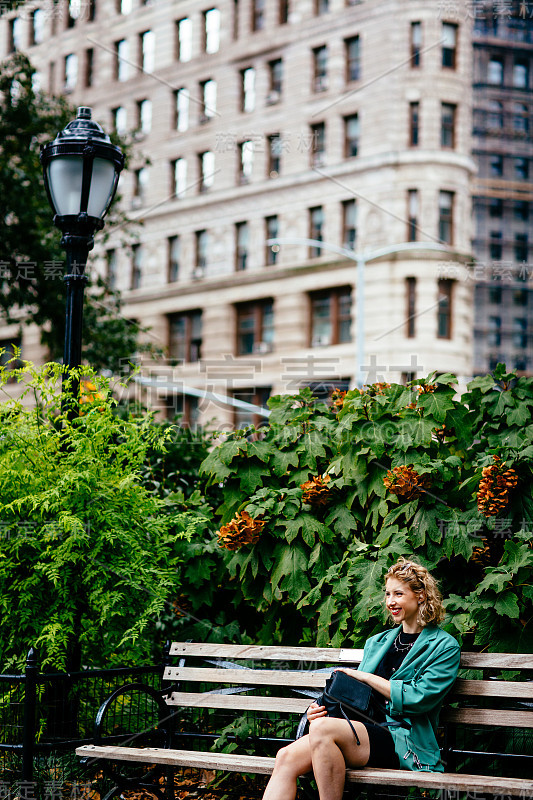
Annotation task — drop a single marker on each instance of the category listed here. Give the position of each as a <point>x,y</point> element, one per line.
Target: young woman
<point>411,667</point>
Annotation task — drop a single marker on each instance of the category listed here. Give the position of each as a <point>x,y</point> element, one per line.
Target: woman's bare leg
<point>291,761</point>
<point>333,748</point>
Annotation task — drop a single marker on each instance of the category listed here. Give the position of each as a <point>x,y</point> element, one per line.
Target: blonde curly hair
<point>431,610</point>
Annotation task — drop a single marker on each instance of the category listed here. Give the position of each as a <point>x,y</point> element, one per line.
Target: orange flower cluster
<point>426,388</point>
<point>337,399</point>
<point>406,483</point>
<point>494,487</point>
<point>89,393</point>
<point>242,529</point>
<point>316,491</point>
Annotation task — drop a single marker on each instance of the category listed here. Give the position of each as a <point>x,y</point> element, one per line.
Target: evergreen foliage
<point>89,556</point>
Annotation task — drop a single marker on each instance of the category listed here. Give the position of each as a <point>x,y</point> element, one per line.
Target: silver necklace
<point>402,647</point>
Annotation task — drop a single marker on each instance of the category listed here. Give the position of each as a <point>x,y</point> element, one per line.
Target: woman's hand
<point>315,711</point>
<point>354,673</point>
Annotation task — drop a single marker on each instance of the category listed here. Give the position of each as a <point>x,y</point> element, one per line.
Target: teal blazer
<point>418,689</point>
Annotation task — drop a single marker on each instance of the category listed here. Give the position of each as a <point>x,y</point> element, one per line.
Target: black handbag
<point>346,697</point>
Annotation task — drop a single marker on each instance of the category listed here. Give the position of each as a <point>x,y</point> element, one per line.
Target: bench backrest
<point>248,685</point>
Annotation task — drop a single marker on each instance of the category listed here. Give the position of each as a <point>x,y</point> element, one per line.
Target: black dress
<point>382,752</point>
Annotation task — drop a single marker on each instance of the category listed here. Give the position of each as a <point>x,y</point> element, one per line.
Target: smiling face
<point>402,604</point>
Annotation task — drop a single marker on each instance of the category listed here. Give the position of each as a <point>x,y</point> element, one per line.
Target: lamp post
<point>361,259</point>
<point>81,169</point>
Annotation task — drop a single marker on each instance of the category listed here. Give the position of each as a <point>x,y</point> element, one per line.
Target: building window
<point>495,115</point>
<point>258,15</point>
<point>15,34</point>
<point>331,317</point>
<point>202,246</point>
<point>495,295</point>
<point>521,210</point>
<point>246,160</point>
<point>137,257</point>
<point>206,162</point>
<point>73,12</point>
<point>184,39</point>
<point>211,30</point>
<point>122,60</point>
<point>444,309</point>
<point>271,232</point>
<point>147,47</point>
<point>320,68</point>
<point>520,74</point>
<point>447,125</point>
<point>140,186</point>
<point>89,67</point>
<point>37,26</point>
<point>181,122</point>
<point>283,12</point>
<point>120,120</point>
<point>275,75</point>
<point>496,166</point>
<point>410,292</point>
<point>173,262</point>
<point>494,337</point>
<point>495,71</point>
<point>255,327</point>
<point>520,297</point>
<point>521,168</point>
<point>208,96</point>
<point>349,224</point>
<point>352,51</point>
<point>520,119</point>
<point>318,144</point>
<point>92,10</point>
<point>185,337</point>
<point>235,19</point>
<point>351,135</point>
<point>449,45</point>
<point>496,207</point>
<point>316,229</point>
<point>521,247</point>
<point>274,155</point>
<point>248,89</point>
<point>446,217</point>
<point>144,116</point>
<point>520,333</point>
<point>51,77</point>
<point>186,408</point>
<point>111,269</point>
<point>496,245</point>
<point>414,110</point>
<point>242,245</point>
<point>71,71</point>
<point>321,7</point>
<point>416,43</point>
<point>413,211</point>
<point>124,6</point>
<point>179,177</point>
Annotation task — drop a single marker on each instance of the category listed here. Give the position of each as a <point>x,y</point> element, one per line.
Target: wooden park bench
<point>267,689</point>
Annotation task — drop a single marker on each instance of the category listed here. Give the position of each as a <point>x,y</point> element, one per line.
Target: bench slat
<point>266,652</point>
<point>265,677</point>
<point>237,702</point>
<point>248,677</point>
<point>487,716</point>
<point>522,690</point>
<point>263,766</point>
<point>332,655</point>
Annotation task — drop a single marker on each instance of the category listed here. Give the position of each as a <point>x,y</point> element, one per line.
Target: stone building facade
<point>342,123</point>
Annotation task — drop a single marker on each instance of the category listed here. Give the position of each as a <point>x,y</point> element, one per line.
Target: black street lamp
<point>81,169</point>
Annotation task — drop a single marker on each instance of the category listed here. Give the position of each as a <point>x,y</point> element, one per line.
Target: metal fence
<point>44,716</point>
